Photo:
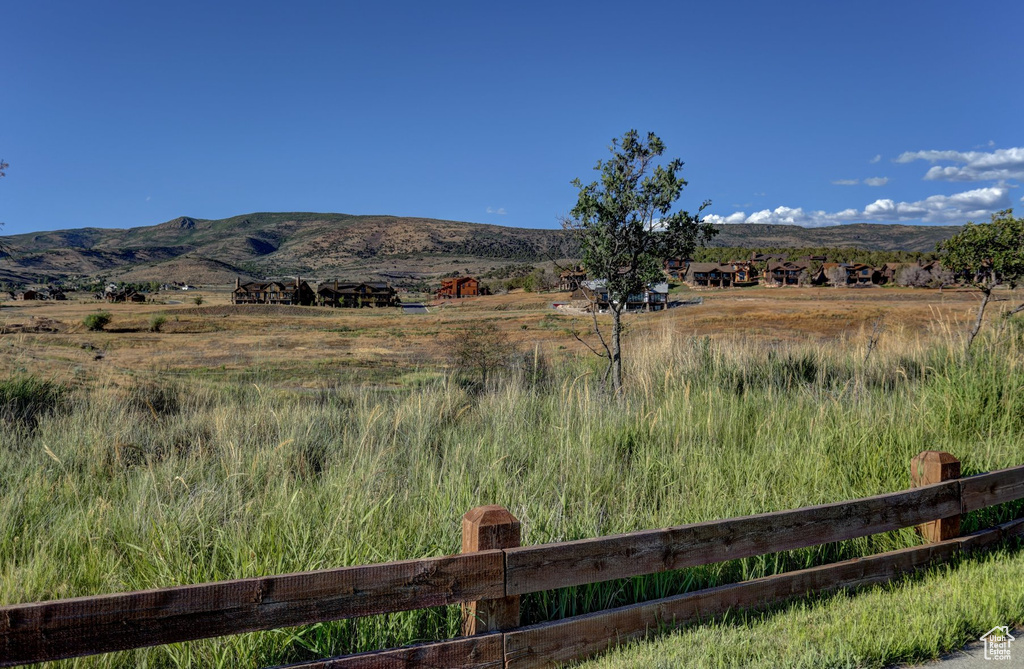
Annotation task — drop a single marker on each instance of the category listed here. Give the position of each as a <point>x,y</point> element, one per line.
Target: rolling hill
<point>348,246</point>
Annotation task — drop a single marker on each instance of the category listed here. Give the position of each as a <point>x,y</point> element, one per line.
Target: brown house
<point>745,272</point>
<point>462,286</point>
<point>785,273</point>
<point>891,270</point>
<point>352,295</point>
<point>571,279</point>
<point>710,275</point>
<point>859,274</point>
<point>114,294</point>
<point>675,268</point>
<point>273,292</point>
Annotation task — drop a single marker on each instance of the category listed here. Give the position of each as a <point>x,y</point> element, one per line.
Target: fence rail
<point>535,568</point>
<point>89,625</point>
<point>491,573</point>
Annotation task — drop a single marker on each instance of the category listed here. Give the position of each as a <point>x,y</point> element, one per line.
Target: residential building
<point>594,294</point>
<point>710,275</point>
<point>349,295</point>
<point>461,286</point>
<point>675,268</point>
<point>571,279</point>
<point>785,273</point>
<point>744,272</point>
<point>295,292</point>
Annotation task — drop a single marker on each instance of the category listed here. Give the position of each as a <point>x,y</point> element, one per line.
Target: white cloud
<point>789,216</point>
<point>500,211</point>
<point>956,209</point>
<point>738,217</point>
<point>870,181</point>
<point>977,204</point>
<point>877,158</point>
<point>971,165</point>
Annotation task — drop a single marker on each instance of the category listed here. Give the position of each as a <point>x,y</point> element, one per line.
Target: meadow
<point>236,443</point>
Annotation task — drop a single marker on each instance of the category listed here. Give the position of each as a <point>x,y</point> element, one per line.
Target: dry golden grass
<point>135,482</point>
<point>306,345</point>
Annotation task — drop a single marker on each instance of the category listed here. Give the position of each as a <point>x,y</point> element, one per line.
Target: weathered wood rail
<point>493,571</point>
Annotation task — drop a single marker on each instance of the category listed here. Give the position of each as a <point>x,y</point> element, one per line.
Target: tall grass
<point>160,483</point>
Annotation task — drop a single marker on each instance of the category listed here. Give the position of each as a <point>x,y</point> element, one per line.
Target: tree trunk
<point>987,292</point>
<point>616,361</point>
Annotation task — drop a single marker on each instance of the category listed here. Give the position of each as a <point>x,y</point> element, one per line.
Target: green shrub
<point>97,321</point>
<point>198,299</point>
<point>25,398</point>
<point>156,321</point>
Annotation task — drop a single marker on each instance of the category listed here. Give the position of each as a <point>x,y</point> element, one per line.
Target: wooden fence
<point>493,571</point>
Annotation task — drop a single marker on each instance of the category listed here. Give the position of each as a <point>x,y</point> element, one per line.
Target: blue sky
<point>125,114</point>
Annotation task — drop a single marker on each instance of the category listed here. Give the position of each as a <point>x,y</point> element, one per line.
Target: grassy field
<point>307,347</point>
<point>238,443</point>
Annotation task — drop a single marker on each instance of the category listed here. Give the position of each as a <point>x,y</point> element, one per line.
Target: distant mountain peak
<point>345,245</point>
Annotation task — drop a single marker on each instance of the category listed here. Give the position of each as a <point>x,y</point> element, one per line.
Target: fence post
<point>929,467</point>
<point>486,528</point>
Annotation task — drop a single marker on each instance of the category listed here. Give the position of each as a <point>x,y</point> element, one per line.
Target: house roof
<point>710,267</point>
<point>586,292</point>
<point>263,285</point>
<point>353,287</point>
<point>792,266</point>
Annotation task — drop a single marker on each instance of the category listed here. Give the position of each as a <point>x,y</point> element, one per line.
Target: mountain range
<point>360,247</point>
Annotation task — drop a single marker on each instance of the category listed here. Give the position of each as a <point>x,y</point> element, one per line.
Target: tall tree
<point>987,255</point>
<point>626,227</point>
